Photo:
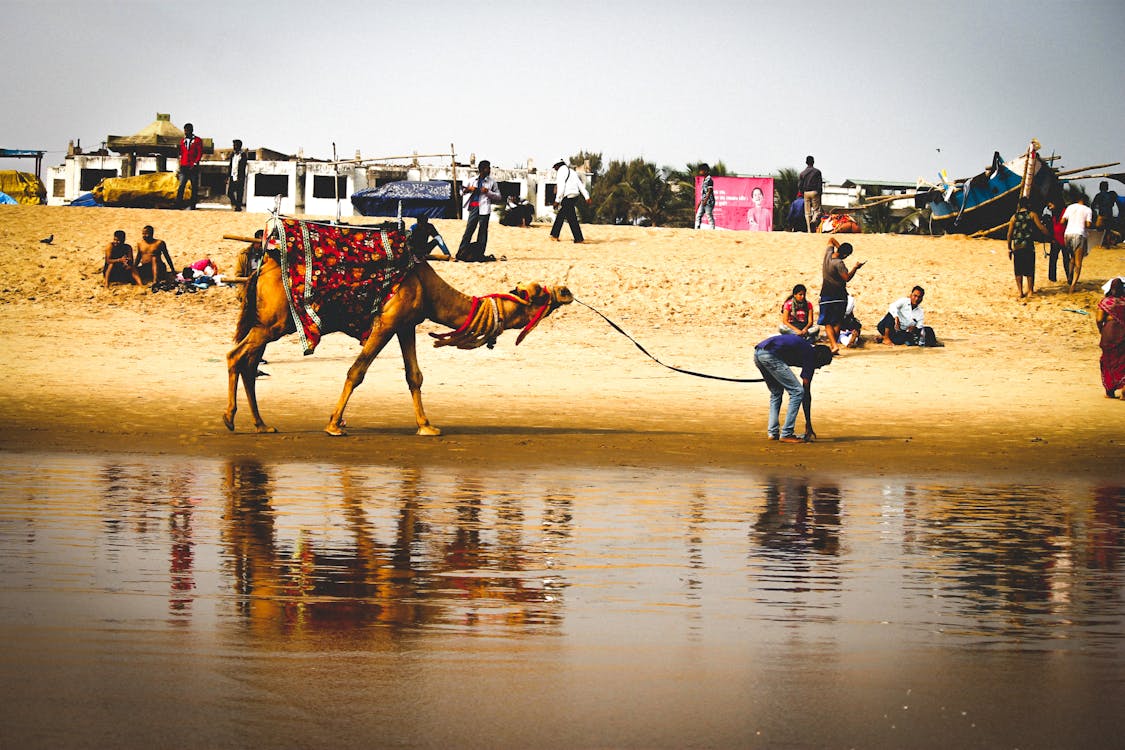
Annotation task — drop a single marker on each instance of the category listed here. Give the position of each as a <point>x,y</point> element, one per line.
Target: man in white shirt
<point>1077,218</point>
<point>569,189</point>
<point>477,196</point>
<point>903,323</point>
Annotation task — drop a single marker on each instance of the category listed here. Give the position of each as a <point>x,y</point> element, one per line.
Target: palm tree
<point>784,193</point>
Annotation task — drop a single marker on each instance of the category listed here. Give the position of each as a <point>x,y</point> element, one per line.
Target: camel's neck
<point>446,305</point>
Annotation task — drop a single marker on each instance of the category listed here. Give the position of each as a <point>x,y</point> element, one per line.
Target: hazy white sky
<point>872,88</point>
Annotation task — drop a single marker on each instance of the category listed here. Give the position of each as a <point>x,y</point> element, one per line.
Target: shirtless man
<point>119,261</point>
<point>152,254</point>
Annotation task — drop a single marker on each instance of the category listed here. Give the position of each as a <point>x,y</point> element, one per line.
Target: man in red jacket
<point>191,153</point>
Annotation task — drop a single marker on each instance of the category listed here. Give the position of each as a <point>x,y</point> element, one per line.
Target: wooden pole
<point>1083,169</point>
<point>239,238</point>
<point>886,199</point>
<point>985,232</point>
<point>456,198</point>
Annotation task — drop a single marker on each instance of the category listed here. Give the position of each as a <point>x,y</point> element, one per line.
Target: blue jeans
<point>709,210</point>
<point>779,378</point>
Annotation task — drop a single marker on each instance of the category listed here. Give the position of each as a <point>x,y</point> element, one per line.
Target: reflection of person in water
<point>759,218</point>
<point>786,524</point>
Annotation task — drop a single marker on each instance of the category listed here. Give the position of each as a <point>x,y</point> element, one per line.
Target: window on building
<point>323,186</point>
<point>212,182</point>
<point>91,177</point>
<point>509,189</point>
<point>269,185</point>
<point>59,188</point>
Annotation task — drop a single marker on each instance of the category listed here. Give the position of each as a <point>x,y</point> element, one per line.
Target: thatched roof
<point>161,136</point>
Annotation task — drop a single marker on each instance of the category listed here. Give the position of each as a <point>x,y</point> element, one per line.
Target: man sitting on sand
<point>773,358</point>
<point>118,266</point>
<point>152,254</point>
<point>424,237</point>
<point>903,322</point>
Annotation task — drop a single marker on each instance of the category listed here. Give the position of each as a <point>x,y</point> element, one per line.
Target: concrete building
<point>298,184</point>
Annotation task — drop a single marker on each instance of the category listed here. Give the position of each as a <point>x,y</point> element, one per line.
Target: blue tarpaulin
<point>86,200</point>
<point>7,200</point>
<point>432,199</point>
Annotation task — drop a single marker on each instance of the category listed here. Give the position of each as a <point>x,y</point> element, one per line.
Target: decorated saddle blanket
<point>338,277</point>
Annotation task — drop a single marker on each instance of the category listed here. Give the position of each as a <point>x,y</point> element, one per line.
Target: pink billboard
<point>741,202</point>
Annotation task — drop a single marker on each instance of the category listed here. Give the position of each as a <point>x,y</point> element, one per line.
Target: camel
<point>421,295</point>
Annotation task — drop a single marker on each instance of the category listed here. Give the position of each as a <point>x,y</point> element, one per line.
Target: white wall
<point>265,203</point>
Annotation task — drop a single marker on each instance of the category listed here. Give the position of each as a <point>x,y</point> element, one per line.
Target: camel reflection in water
<point>434,571</point>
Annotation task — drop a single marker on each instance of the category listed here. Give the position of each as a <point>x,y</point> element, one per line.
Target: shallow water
<point>220,604</point>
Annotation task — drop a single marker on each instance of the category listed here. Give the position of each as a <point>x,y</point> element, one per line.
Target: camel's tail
<point>248,316</point>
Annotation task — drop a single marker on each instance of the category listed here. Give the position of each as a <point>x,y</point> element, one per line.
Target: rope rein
<point>657,361</point>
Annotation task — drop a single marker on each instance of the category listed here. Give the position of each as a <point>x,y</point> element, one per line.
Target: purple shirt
<point>793,351</point>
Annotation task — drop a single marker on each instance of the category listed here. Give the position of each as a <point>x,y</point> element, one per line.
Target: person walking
<point>190,154</point>
<point>1077,218</point>
<point>1021,245</point>
<point>569,189</point>
<point>1110,319</point>
<point>706,197</point>
<point>810,184</point>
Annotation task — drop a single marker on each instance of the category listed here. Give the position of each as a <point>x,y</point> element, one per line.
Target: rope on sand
<point>657,361</point>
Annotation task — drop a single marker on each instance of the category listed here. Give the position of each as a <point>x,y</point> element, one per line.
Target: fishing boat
<point>983,204</point>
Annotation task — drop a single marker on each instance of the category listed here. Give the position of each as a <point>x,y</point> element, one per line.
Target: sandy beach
<point>1014,391</point>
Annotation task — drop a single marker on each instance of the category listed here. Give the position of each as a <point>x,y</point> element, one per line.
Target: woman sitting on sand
<point>797,315</point>
<point>1110,317</point>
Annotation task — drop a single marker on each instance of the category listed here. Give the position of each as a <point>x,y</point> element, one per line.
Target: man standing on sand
<point>773,358</point>
<point>151,256</point>
<point>236,176</point>
<point>834,290</point>
<point>1103,206</point>
<point>809,185</point>
<point>569,189</point>
<point>1077,218</point>
<point>706,197</point>
<point>478,193</point>
<point>118,264</point>
<point>191,153</point>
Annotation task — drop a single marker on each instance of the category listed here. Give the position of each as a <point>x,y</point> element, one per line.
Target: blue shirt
<point>793,351</point>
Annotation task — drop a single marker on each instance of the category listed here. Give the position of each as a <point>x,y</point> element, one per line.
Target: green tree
<point>639,190</point>
<point>882,219</point>
<point>784,193</point>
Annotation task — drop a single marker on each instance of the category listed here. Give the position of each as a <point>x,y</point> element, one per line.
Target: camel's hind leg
<point>243,360</point>
<point>407,342</point>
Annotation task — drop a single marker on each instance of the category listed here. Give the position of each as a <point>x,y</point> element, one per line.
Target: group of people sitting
<point>151,264</point>
<point>903,323</point>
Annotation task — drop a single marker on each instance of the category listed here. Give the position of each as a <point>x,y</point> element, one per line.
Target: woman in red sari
<point>1110,317</point>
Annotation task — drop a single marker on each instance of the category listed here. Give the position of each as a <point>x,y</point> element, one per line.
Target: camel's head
<point>541,301</point>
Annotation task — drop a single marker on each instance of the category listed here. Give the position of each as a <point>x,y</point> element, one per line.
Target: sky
<point>873,89</point>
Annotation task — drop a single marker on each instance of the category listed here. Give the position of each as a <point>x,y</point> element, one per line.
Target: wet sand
<point>1015,391</point>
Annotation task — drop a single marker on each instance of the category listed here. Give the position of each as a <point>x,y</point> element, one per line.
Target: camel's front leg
<point>406,342</point>
<point>380,335</point>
